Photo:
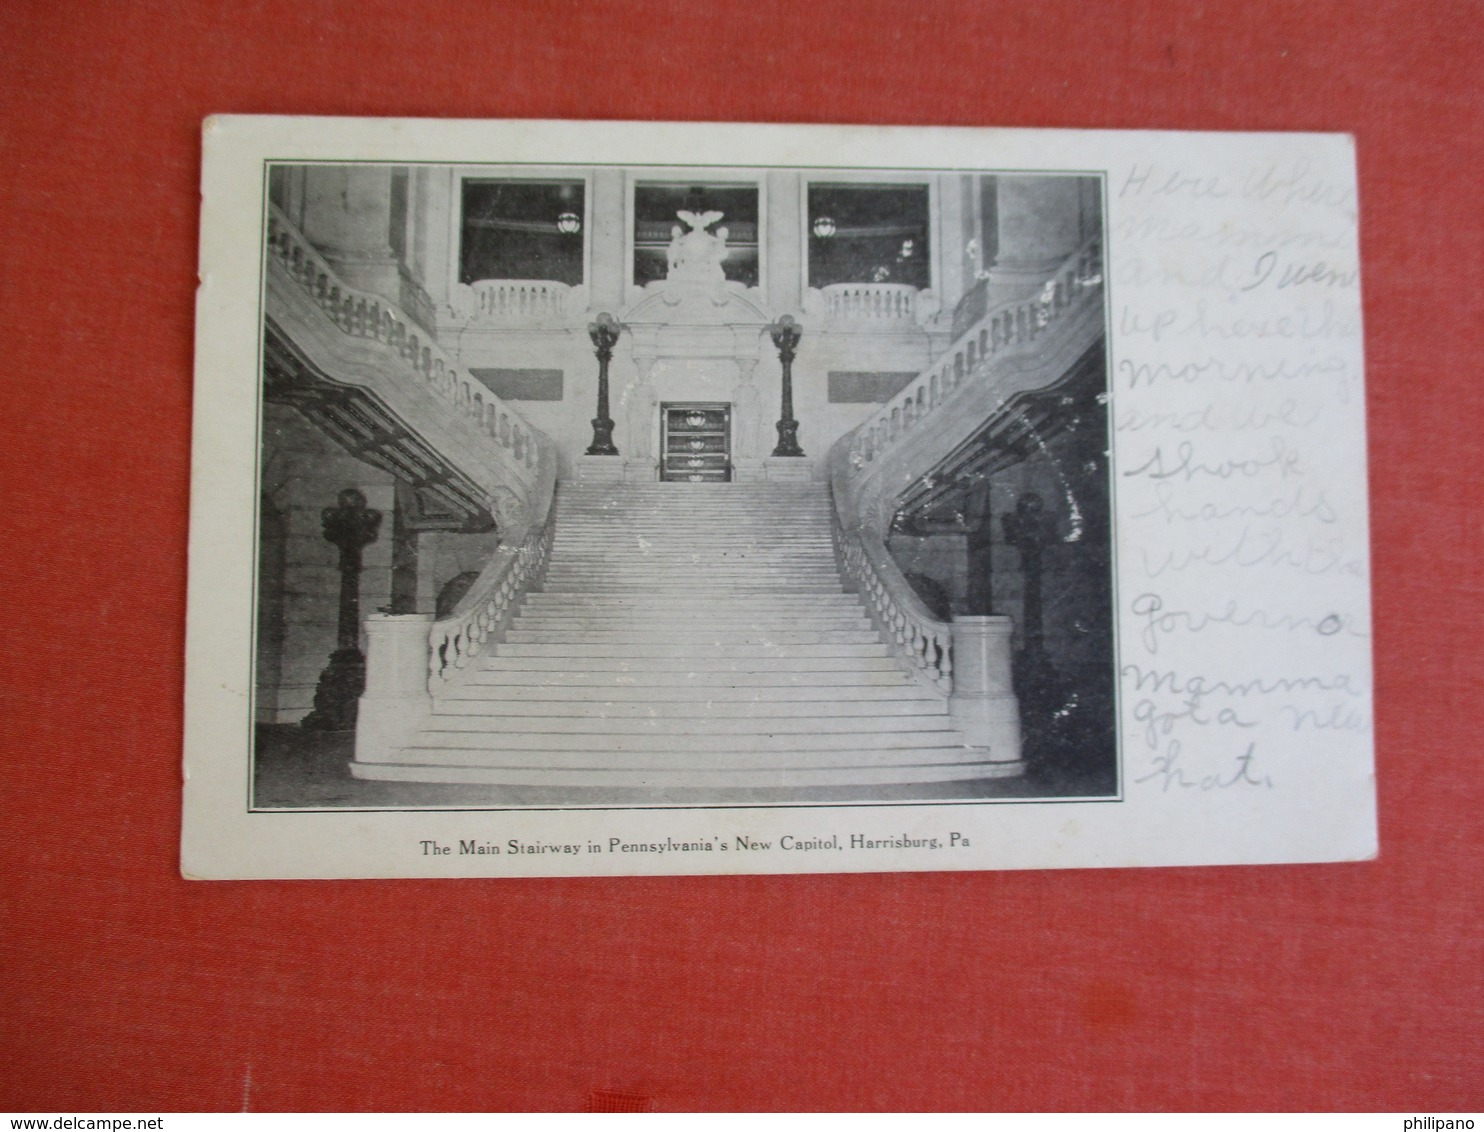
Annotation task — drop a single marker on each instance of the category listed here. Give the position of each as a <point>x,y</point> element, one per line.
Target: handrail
<point>456,641</point>
<point>924,642</point>
<point>365,316</point>
<point>1006,326</point>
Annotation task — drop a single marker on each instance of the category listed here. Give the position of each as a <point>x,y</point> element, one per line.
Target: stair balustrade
<point>370,343</point>
<point>490,604</point>
<point>1015,346</point>
<point>526,457</point>
<point>1009,327</point>
<point>894,607</point>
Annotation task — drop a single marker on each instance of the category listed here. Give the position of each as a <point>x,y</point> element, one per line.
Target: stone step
<point>688,636</point>
<point>751,777</point>
<point>667,580</point>
<point>662,620</point>
<point>686,572</point>
<point>733,540</point>
<point>574,488</point>
<point>606,750</point>
<point>582,653</point>
<point>742,552</point>
<point>695,724</point>
<point>720,594</point>
<point>767,606</point>
<point>821,697</point>
<point>645,681</point>
<point>779,602</point>
<point>881,707</point>
<point>684,569</point>
<point>667,624</point>
<point>730,502</point>
<point>730,535</point>
<point>707,661</point>
<point>802,550</point>
<point>679,523</point>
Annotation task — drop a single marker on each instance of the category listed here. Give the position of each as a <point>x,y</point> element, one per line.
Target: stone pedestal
<point>396,700</point>
<point>1038,223</point>
<point>746,470</point>
<point>983,705</point>
<point>600,469</point>
<point>641,471</point>
<point>788,469</point>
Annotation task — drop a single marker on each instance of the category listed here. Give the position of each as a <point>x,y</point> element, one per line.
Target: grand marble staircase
<point>688,636</point>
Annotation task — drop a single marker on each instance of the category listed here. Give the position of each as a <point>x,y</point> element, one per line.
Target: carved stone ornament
<point>694,259</point>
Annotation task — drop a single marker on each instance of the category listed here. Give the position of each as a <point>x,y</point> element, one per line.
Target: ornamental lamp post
<point>350,526</point>
<point>604,332</point>
<point>786,334</point>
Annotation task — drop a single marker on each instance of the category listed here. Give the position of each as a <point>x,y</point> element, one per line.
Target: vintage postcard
<point>599,498</point>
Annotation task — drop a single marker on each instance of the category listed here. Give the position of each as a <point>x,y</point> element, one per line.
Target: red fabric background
<point>124,987</point>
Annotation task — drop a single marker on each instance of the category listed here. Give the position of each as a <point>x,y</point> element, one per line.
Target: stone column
<point>606,240</point>
<point>955,230</point>
<point>1038,224</point>
<point>983,704</point>
<point>348,217</point>
<point>438,204</point>
<point>396,701</point>
<point>783,250</point>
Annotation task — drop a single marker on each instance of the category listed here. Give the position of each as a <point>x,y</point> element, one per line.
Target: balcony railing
<point>518,302</point>
<point>870,302</point>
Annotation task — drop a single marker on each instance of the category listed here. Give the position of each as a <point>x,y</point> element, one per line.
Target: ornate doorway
<point>696,441</point>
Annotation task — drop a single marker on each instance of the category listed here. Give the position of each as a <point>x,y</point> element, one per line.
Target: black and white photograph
<point>628,485</point>
<point>609,498</point>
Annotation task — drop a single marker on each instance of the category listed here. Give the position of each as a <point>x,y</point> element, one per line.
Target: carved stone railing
<point>1011,327</point>
<point>505,302</point>
<point>488,607</point>
<point>1014,348</point>
<point>383,349</point>
<point>871,306</point>
<point>870,302</point>
<point>921,640</point>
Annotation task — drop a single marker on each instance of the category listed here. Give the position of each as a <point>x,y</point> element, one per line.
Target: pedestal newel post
<point>604,332</point>
<point>983,704</point>
<point>351,526</point>
<point>786,334</point>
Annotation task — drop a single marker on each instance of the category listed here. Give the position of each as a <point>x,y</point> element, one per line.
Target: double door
<point>696,441</point>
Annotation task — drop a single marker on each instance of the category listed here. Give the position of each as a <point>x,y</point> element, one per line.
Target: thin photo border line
<point>1119,780</point>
